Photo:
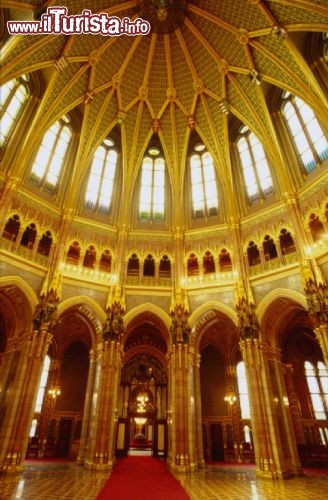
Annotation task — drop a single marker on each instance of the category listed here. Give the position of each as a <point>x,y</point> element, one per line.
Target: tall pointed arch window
<point>307,135</point>
<point>102,177</point>
<point>152,189</point>
<point>317,380</point>
<point>243,391</point>
<point>204,192</point>
<point>51,155</point>
<point>255,168</point>
<point>13,95</point>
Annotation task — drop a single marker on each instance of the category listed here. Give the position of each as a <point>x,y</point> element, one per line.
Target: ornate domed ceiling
<point>203,65</point>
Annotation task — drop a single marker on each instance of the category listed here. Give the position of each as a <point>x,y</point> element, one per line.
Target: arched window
<point>165,267</point>
<point>45,243</point>
<point>192,265</point>
<point>133,265</point>
<point>29,236</point>
<point>269,248</point>
<point>243,391</point>
<point>208,263</point>
<point>225,262</point>
<point>149,266</point>
<point>203,183</point>
<point>12,228</point>
<point>287,244</point>
<point>253,254</point>
<point>89,258</point>
<point>255,168</point>
<point>308,137</point>
<point>43,384</point>
<point>152,189</point>
<point>33,427</point>
<point>316,227</point>
<point>50,157</point>
<point>105,263</point>
<point>317,380</point>
<point>73,254</point>
<point>102,176</point>
<point>13,96</point>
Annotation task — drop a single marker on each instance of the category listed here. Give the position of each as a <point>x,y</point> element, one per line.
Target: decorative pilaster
<point>87,413</point>
<point>198,413</point>
<point>100,452</point>
<point>317,302</point>
<point>182,439</point>
<point>23,366</point>
<point>274,442</point>
<point>6,199</point>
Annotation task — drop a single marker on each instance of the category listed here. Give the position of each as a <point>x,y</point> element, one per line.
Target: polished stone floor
<point>66,480</point>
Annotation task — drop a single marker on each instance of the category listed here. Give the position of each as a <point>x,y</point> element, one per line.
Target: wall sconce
<point>54,392</point>
<point>230,398</point>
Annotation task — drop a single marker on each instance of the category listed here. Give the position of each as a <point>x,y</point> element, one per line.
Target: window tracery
<point>307,135</point>
<point>204,191</point>
<point>50,157</point>
<point>255,168</point>
<point>152,187</point>
<point>317,380</point>
<point>102,176</point>
<point>13,96</point>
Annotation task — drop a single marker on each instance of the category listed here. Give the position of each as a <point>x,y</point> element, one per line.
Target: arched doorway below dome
<point>142,423</point>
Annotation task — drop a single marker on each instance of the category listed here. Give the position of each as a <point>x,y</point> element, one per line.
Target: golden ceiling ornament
<point>224,67</point>
<point>156,125</point>
<point>164,16</point>
<point>191,122</point>
<point>143,93</point>
<point>117,81</point>
<point>121,116</point>
<point>61,64</point>
<point>199,86</point>
<point>93,58</point>
<point>89,96</point>
<point>171,94</point>
<point>243,37</point>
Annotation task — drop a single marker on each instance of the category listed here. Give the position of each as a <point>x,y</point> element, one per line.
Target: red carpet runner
<point>142,478</point>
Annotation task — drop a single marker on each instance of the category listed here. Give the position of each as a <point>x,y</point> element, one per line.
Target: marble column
<point>183,448</point>
<point>274,439</point>
<point>100,452</point>
<point>20,376</point>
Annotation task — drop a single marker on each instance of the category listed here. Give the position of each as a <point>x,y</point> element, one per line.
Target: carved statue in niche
<point>180,329</point>
<point>46,310</point>
<point>114,329</point>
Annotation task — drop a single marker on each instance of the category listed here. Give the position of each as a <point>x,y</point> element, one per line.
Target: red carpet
<point>142,478</point>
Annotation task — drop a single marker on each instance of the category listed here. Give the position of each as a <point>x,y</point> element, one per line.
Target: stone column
<point>321,332</point>
<point>182,439</point>
<point>22,368</point>
<point>25,357</point>
<point>273,433</point>
<point>87,409</point>
<point>7,196</point>
<point>295,409</point>
<point>100,452</point>
<point>317,302</point>
<point>198,413</point>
